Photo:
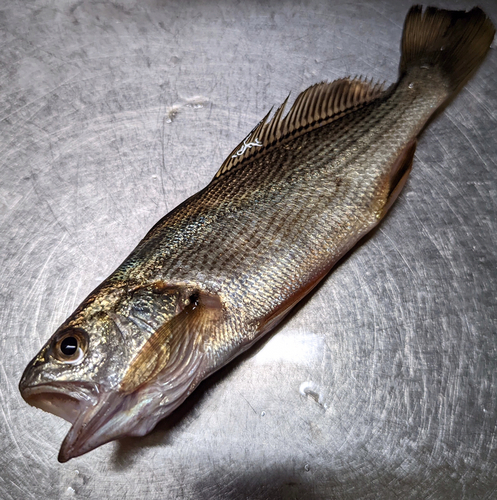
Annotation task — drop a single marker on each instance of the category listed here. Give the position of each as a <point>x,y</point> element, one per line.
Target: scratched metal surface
<point>383,385</point>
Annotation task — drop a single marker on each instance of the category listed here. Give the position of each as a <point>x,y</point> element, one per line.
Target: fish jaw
<point>119,414</point>
<point>63,399</point>
<point>97,417</point>
<point>115,415</point>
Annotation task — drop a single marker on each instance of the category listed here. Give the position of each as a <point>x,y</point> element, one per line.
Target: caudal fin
<point>456,42</point>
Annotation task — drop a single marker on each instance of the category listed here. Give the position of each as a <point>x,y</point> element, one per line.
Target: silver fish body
<point>224,267</point>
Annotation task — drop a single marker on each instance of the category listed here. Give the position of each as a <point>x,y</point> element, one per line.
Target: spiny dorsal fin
<point>317,106</point>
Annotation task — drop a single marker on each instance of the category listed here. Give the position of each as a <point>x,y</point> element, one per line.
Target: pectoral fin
<point>173,341</point>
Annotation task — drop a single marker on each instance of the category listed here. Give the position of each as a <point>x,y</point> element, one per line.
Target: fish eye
<point>70,346</point>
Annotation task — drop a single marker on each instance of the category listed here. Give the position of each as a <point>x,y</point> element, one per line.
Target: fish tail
<point>454,42</point>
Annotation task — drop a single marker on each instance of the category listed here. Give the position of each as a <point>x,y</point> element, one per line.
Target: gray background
<point>382,385</point>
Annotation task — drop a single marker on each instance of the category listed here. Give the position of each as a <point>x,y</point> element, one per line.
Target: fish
<point>224,268</point>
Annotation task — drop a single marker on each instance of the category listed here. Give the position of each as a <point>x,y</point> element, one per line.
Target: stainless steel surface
<point>382,385</point>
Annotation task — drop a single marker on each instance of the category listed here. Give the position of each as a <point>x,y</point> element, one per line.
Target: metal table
<point>383,384</point>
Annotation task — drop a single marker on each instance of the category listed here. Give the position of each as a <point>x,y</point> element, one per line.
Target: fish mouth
<point>97,417</point>
<point>115,415</point>
<point>63,399</point>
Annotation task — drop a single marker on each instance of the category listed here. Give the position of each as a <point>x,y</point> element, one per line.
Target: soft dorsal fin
<point>317,106</point>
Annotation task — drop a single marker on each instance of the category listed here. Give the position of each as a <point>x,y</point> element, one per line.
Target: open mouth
<point>97,417</point>
<point>64,399</point>
<point>81,404</point>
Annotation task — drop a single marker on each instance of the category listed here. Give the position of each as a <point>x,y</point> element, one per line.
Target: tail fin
<point>454,41</point>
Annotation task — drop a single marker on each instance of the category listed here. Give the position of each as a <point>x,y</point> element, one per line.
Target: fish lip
<point>78,390</point>
<point>63,399</point>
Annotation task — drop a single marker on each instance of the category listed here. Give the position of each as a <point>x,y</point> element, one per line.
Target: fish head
<point>126,358</point>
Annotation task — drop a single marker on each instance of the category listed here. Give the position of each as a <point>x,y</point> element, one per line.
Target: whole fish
<point>224,267</point>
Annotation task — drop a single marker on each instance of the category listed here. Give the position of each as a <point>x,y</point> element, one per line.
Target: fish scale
<point>282,203</point>
<point>283,209</point>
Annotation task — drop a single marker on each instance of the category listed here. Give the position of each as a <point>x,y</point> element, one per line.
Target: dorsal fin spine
<point>275,129</point>
<point>318,111</point>
<point>318,105</point>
